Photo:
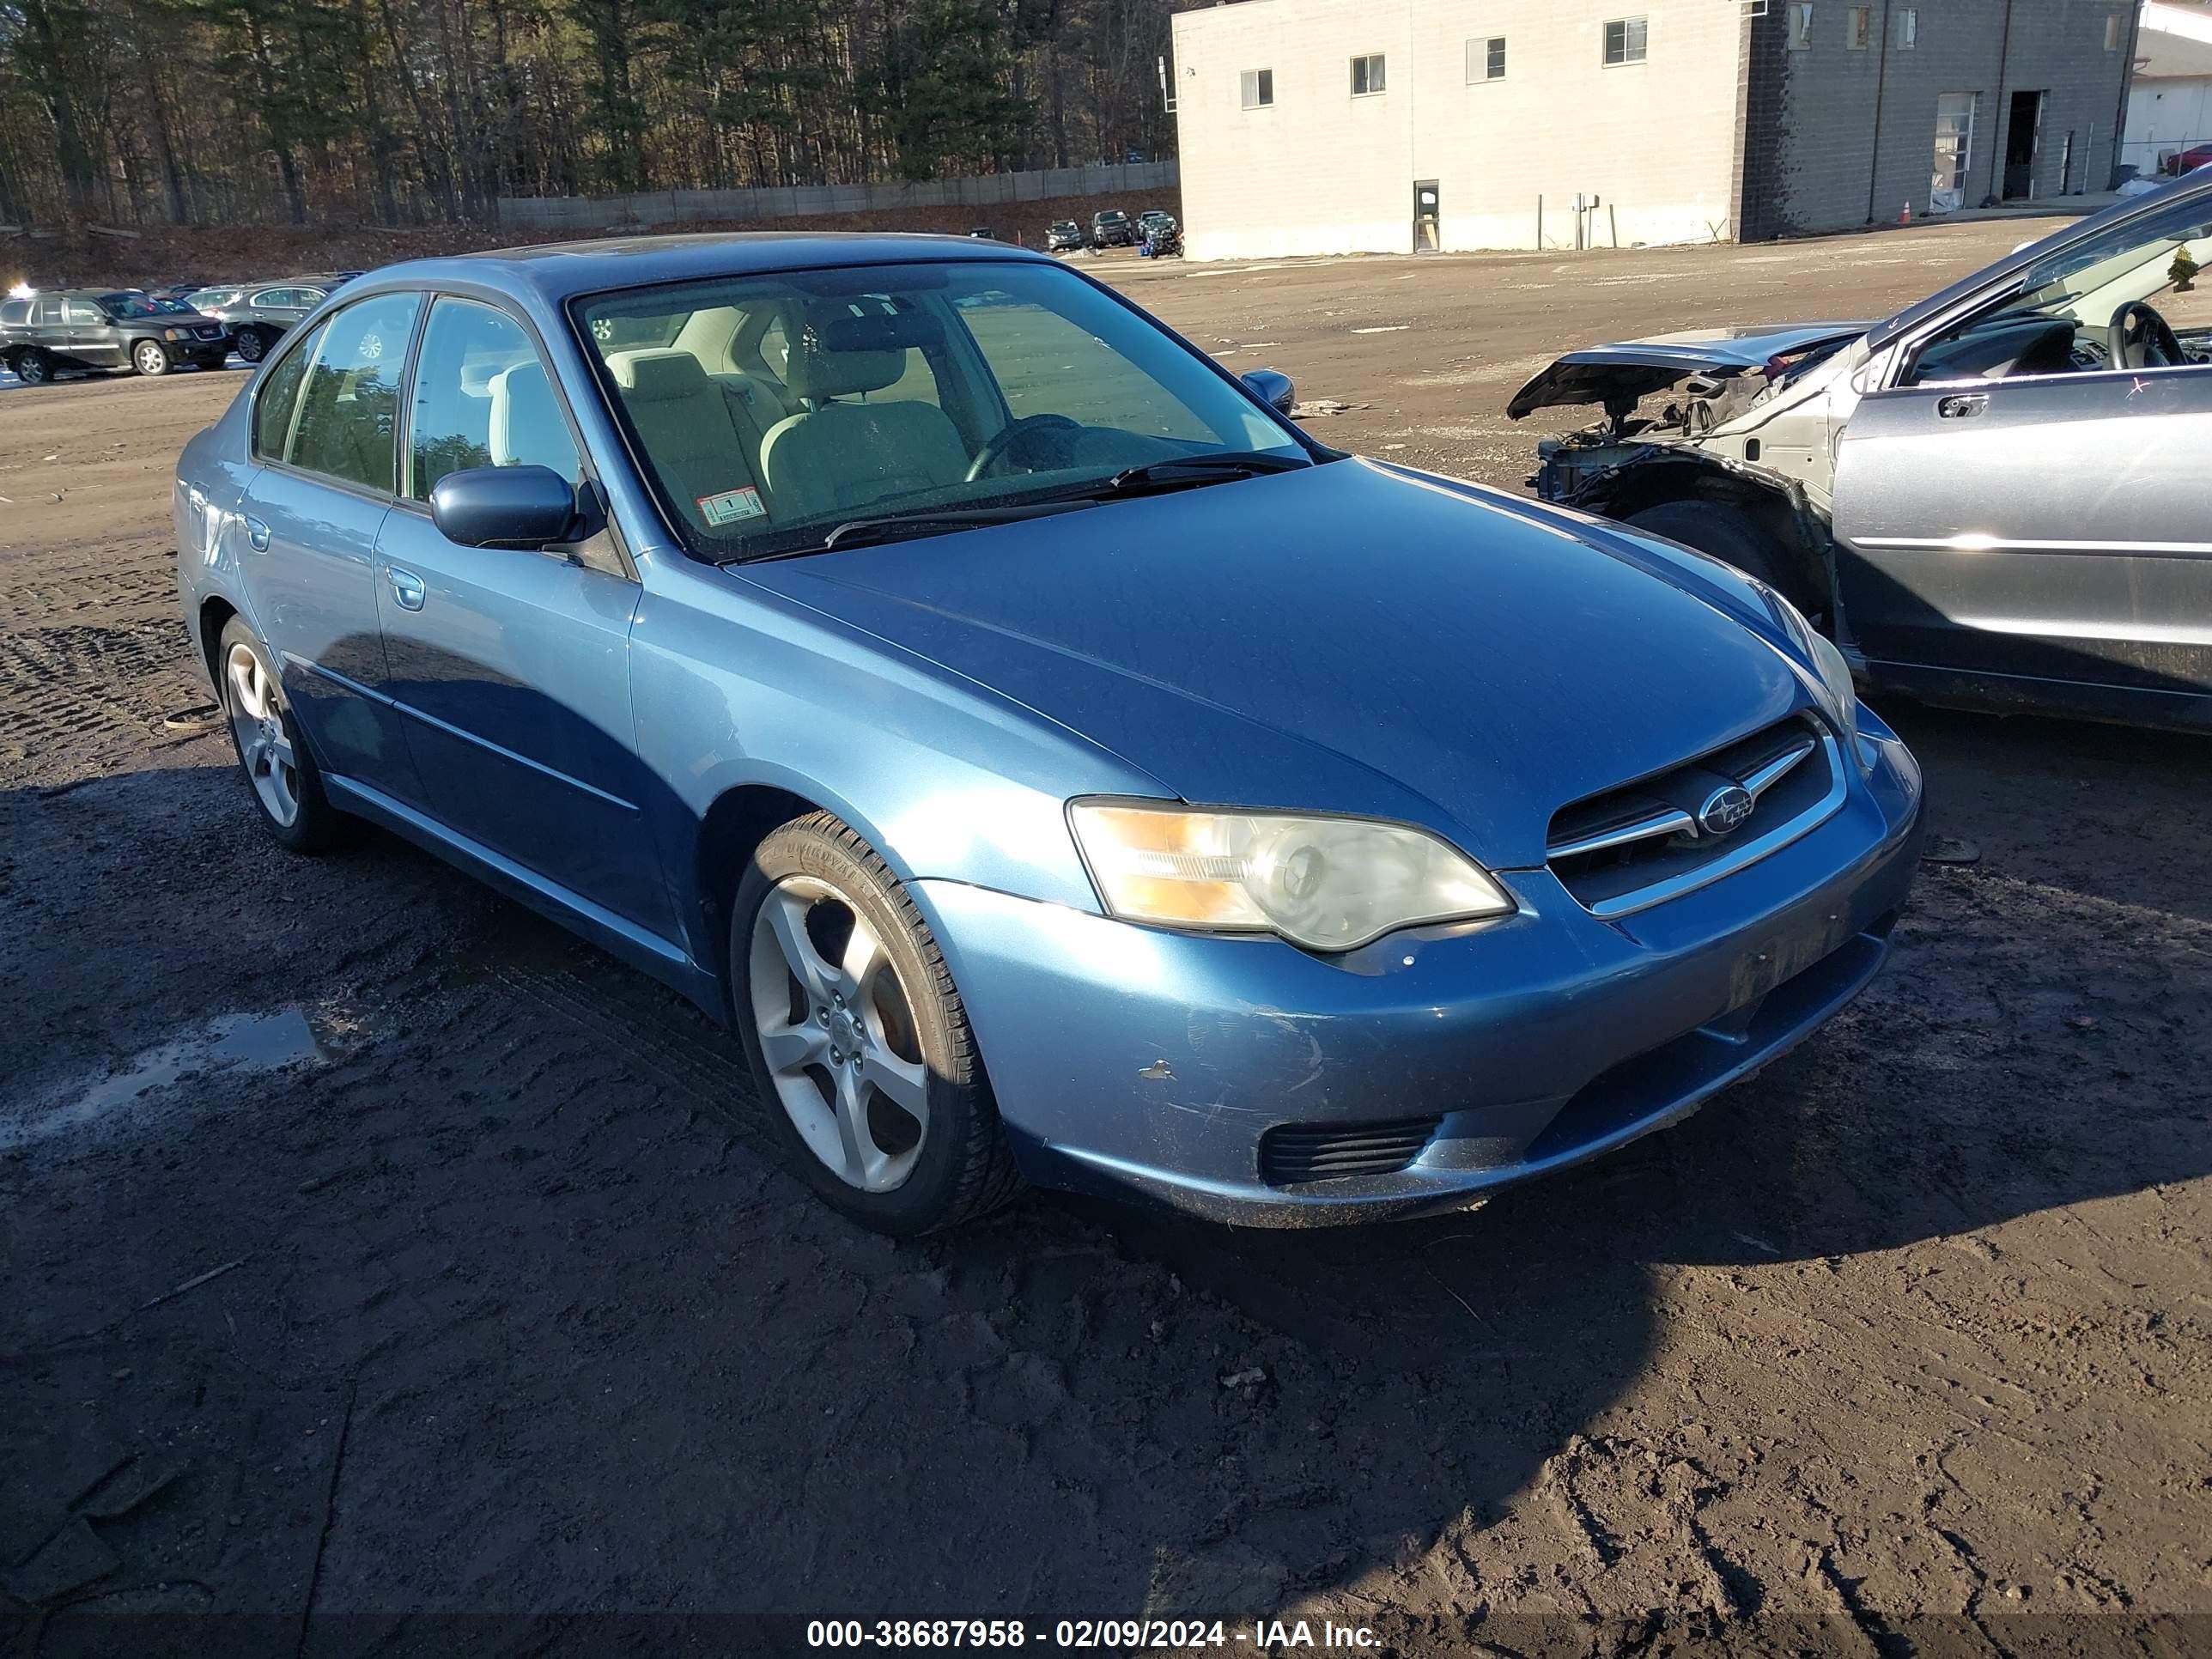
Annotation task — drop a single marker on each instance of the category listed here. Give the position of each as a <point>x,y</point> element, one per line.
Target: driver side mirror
<point>520,507</point>
<point>1274,388</point>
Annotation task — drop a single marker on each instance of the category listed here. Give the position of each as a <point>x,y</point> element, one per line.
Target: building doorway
<point>1428,231</point>
<point>1954,151</point>
<point>2023,133</point>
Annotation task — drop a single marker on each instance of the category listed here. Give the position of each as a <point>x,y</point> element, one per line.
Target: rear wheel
<point>286,786</point>
<point>150,357</point>
<point>861,1048</point>
<point>1728,534</point>
<point>251,344</point>
<point>32,367</point>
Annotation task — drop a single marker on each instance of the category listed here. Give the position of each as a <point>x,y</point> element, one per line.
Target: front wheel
<point>859,1045</point>
<point>1728,534</point>
<point>149,358</point>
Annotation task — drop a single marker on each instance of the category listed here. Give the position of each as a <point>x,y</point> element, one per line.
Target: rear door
<point>92,336</point>
<point>512,666</point>
<point>326,438</point>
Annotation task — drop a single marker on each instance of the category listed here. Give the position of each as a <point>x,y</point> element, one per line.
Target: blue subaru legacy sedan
<point>1049,760</point>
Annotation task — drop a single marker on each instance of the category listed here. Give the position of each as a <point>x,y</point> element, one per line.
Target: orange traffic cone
<point>1905,217</point>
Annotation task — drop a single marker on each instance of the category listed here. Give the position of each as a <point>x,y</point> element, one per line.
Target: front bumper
<point>1132,1060</point>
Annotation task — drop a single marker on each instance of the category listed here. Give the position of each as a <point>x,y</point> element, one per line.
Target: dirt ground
<point>371,1248</point>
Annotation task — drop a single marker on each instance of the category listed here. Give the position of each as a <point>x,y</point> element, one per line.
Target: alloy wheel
<point>31,369</point>
<point>256,721</point>
<point>837,1030</point>
<point>250,345</point>
<point>151,359</point>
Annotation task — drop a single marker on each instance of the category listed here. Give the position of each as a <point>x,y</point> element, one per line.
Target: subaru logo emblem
<point>1725,810</point>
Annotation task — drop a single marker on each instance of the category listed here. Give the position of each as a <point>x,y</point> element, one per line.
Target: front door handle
<point>1960,404</point>
<point>406,587</point>
<point>257,535</point>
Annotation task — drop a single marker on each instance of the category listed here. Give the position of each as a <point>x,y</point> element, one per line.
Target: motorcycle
<point>1161,242</point>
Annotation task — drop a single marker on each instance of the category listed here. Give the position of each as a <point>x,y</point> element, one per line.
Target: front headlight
<point>171,334</point>
<point>1839,698</point>
<point>1327,883</point>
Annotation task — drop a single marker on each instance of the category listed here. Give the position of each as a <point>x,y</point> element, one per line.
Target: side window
<point>15,314</point>
<point>279,396</point>
<point>82,314</point>
<point>481,398</point>
<point>349,408</point>
<point>48,314</point>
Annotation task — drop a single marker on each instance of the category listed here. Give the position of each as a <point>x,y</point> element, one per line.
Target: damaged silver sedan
<point>2000,496</point>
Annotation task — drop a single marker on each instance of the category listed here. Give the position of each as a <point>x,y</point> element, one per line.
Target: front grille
<point>1295,1152</point>
<point>1664,835</point>
<point>209,333</point>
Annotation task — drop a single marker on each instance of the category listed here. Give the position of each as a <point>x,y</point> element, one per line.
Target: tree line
<point>140,113</point>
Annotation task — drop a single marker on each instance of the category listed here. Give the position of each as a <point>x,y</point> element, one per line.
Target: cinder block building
<point>1332,126</point>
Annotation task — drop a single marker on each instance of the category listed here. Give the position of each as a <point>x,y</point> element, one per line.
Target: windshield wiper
<point>1180,471</point>
<point>905,527</point>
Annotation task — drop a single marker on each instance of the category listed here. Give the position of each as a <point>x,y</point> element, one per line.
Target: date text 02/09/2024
<point>1120,1635</point>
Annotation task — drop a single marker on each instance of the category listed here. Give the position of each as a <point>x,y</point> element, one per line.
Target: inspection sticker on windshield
<point>732,505</point>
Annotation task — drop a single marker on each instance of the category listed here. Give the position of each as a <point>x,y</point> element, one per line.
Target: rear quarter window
<point>15,314</point>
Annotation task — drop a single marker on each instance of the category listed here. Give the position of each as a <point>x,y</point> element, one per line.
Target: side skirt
<point>623,939</point>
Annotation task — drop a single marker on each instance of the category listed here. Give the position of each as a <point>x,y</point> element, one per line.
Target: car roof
<point>2182,191</point>
<point>557,272</point>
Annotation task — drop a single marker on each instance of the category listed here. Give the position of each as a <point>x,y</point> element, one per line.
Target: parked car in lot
<point>94,328</point>
<point>1065,235</point>
<point>1051,761</point>
<point>1998,497</point>
<point>1111,228</point>
<point>259,315</point>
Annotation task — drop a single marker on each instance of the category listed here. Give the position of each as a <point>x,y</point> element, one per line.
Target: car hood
<point>1630,369</point>
<point>1354,638</point>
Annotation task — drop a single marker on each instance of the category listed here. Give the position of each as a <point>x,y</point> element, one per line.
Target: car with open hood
<point>1051,761</point>
<point>1998,497</point>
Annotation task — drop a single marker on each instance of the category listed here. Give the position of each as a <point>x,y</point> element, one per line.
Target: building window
<point>1625,41</point>
<point>1257,87</point>
<point>2114,27</point>
<point>1800,25</point>
<point>1908,29</point>
<point>1366,74</point>
<point>1486,60</point>
<point>1858,26</point>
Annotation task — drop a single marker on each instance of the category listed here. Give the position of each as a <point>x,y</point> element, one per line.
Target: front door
<point>2030,497</point>
<point>325,435</point>
<point>511,667</point>
<point>2056,527</point>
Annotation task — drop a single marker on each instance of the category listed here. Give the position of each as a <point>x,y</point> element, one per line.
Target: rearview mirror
<point>1274,389</point>
<point>525,506</point>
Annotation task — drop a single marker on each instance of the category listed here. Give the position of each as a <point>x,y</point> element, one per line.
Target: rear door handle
<point>406,587</point>
<point>257,535</point>
<point>1960,404</point>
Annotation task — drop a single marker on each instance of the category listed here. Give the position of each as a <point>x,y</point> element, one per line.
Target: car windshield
<point>771,410</point>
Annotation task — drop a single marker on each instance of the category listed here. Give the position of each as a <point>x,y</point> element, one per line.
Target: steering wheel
<point>2140,339</point>
<point>996,446</point>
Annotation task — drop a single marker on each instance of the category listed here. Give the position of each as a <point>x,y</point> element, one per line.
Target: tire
<point>251,344</point>
<point>151,358</point>
<point>847,1125</point>
<point>281,774</point>
<point>1728,534</point>
<point>32,368</point>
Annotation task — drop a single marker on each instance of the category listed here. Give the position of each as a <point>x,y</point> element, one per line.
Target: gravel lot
<point>370,1247</point>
